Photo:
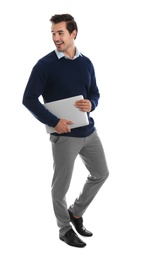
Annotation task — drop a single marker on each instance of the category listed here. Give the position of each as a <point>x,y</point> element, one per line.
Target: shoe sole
<point>90,235</point>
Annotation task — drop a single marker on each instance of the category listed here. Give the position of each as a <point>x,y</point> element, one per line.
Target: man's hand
<point>63,126</point>
<point>84,105</point>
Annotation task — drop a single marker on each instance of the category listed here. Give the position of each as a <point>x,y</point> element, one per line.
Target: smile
<point>58,43</point>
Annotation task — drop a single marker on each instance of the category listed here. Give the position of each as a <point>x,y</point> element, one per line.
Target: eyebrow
<point>58,31</point>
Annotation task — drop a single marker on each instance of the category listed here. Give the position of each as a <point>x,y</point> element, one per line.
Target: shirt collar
<point>61,54</point>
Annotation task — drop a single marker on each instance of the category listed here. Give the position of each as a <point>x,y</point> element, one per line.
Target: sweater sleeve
<point>94,94</point>
<point>34,89</point>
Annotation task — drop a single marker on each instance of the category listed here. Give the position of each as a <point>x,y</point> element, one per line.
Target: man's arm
<point>88,105</point>
<point>93,95</point>
<point>34,89</point>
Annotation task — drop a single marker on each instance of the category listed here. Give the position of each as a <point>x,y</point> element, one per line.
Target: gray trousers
<point>65,150</point>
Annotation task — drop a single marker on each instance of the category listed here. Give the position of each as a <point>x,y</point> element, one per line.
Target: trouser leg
<point>93,157</point>
<point>65,151</point>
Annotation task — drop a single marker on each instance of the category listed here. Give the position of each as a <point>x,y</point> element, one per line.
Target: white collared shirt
<point>61,54</point>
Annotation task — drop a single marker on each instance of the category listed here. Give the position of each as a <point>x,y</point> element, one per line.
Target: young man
<point>64,73</point>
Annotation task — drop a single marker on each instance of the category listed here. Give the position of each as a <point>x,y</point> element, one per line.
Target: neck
<point>70,53</point>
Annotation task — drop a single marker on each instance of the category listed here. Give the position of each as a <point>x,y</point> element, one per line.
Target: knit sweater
<point>55,79</point>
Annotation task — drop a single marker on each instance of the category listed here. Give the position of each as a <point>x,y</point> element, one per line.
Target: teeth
<point>58,43</point>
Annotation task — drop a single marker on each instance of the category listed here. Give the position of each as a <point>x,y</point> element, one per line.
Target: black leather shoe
<point>78,224</point>
<point>72,239</point>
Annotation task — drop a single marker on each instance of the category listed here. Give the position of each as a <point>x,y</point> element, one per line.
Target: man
<point>65,73</point>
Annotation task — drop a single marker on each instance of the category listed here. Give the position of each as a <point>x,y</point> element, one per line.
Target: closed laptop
<point>66,109</point>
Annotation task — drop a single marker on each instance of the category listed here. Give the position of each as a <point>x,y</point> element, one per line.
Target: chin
<point>59,49</point>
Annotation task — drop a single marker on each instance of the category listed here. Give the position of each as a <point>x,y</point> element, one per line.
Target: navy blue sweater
<point>55,79</point>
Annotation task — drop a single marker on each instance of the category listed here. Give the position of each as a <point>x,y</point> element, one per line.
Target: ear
<point>74,33</point>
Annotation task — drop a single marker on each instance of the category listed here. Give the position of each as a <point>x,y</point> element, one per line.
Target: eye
<point>61,33</point>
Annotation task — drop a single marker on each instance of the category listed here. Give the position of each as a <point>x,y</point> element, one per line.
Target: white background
<point>109,34</point>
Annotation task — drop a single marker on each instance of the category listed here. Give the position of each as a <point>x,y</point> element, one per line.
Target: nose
<point>56,37</point>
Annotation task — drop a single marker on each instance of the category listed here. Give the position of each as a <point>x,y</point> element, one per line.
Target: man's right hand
<point>63,126</point>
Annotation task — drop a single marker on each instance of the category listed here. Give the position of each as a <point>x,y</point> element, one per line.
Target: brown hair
<point>71,25</point>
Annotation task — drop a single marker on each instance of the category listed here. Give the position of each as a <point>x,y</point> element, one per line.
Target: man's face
<point>62,39</point>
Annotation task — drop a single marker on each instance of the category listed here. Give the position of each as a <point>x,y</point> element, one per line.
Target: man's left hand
<point>84,105</point>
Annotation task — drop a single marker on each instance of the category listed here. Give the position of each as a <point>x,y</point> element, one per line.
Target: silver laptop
<point>66,109</point>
